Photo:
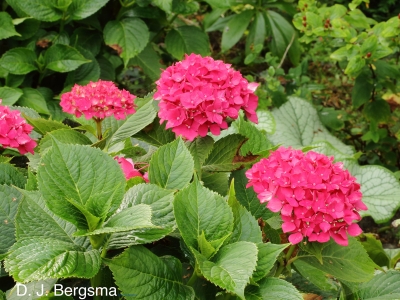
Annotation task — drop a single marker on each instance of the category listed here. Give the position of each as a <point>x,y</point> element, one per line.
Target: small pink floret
<point>317,198</point>
<point>198,94</point>
<point>99,100</point>
<point>128,167</point>
<point>14,131</point>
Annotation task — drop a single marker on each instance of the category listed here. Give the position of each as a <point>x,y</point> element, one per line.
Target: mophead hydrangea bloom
<point>98,100</point>
<point>128,167</point>
<point>14,131</point>
<point>317,198</point>
<point>198,94</point>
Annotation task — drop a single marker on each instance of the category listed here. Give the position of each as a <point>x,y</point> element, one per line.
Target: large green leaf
<point>63,58</point>
<point>171,166</point>
<point>350,263</point>
<point>10,175</point>
<point>298,125</point>
<point>9,95</point>
<point>45,247</point>
<point>283,35</point>
<point>200,148</point>
<point>137,217</point>
<point>154,278</point>
<point>133,124</point>
<point>235,28</point>
<point>245,226</point>
<point>231,267</point>
<point>44,126</point>
<point>82,9</point>
<point>380,189</point>
<point>19,61</point>
<point>248,198</point>
<point>32,98</point>
<point>272,288</point>
<point>128,37</point>
<point>86,72</point>
<point>187,39</point>
<point>45,10</point>
<point>9,201</point>
<point>162,215</point>
<point>31,290</point>
<point>199,210</point>
<point>384,286</point>
<point>66,136</point>
<point>79,182</point>
<point>149,61</point>
<point>267,255</point>
<point>157,135</point>
<point>256,33</point>
<point>223,153</point>
<point>7,26</point>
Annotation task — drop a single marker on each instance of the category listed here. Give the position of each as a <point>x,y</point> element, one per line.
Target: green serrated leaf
<point>33,99</point>
<point>200,148</point>
<point>9,95</point>
<point>149,61</point>
<point>133,124</point>
<point>10,175</point>
<point>362,90</point>
<point>298,125</point>
<point>80,184</point>
<point>63,58</point>
<point>31,290</point>
<point>380,189</point>
<point>248,198</point>
<point>171,166</point>
<point>267,255</point>
<point>85,73</point>
<point>162,280</point>
<point>19,61</point>
<point>9,200</point>
<point>266,121</point>
<point>66,136</point>
<point>186,40</point>
<point>383,286</point>
<point>132,218</point>
<point>160,201</point>
<point>45,247</point>
<point>245,226</point>
<point>7,26</point>
<point>157,135</point>
<point>197,209</point>
<point>272,288</point>
<point>231,267</point>
<point>128,37</point>
<point>43,10</point>
<point>81,9</point>
<point>216,181</point>
<point>223,153</point>
<point>44,126</point>
<point>235,28</point>
<point>349,263</point>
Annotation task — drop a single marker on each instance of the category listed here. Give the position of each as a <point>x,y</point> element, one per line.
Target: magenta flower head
<point>98,100</point>
<point>14,131</point>
<point>317,198</point>
<point>128,167</point>
<point>198,94</point>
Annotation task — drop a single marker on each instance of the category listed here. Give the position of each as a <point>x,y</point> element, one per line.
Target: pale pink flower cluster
<point>14,131</point>
<point>317,198</point>
<point>98,100</point>
<point>198,93</point>
<point>128,167</point>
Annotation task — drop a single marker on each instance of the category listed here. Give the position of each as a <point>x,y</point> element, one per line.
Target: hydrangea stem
<point>98,128</point>
<point>283,263</point>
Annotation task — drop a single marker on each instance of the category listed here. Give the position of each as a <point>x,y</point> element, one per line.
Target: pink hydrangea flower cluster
<point>198,93</point>
<point>99,100</point>
<point>317,198</point>
<point>14,131</point>
<point>128,167</point>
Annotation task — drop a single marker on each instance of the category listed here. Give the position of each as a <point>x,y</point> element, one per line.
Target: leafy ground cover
<point>166,198</point>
